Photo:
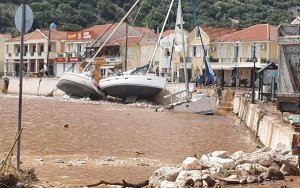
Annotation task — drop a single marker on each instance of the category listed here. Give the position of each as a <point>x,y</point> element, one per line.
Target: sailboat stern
<point>142,86</point>
<point>78,85</point>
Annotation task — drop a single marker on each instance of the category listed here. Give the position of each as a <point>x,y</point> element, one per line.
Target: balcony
<point>228,60</point>
<point>187,59</point>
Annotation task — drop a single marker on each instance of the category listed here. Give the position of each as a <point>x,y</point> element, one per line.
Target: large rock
<point>191,163</point>
<point>274,174</point>
<point>210,182</point>
<point>286,170</point>
<point>263,150</point>
<point>221,154</point>
<point>237,155</point>
<point>282,149</point>
<point>247,167</point>
<point>252,179</point>
<point>217,162</point>
<point>167,184</point>
<point>260,169</point>
<point>262,158</point>
<point>185,176</point>
<point>164,173</point>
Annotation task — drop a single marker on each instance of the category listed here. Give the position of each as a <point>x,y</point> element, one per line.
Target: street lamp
<point>253,73</point>
<point>46,66</point>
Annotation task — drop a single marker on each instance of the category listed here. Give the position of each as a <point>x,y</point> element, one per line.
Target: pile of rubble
<point>23,178</point>
<point>219,167</point>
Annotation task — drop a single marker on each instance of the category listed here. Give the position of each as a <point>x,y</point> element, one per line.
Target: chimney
<point>235,23</point>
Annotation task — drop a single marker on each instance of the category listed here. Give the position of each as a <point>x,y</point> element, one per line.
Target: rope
<point>133,22</point>
<point>81,57</point>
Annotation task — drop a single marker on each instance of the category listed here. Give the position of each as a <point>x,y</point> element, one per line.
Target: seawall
<point>34,86</point>
<point>264,121</point>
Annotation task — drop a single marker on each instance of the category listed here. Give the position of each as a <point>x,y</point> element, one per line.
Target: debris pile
<point>219,168</point>
<point>23,178</point>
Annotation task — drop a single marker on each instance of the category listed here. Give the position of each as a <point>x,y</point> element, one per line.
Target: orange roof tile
<point>259,32</point>
<point>146,31</point>
<point>18,38</point>
<point>5,36</point>
<point>214,32</point>
<point>55,35</point>
<point>131,40</point>
<point>168,32</point>
<point>98,29</point>
<point>41,35</point>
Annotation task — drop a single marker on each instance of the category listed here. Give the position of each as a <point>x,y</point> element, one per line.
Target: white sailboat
<point>198,103</point>
<point>141,86</point>
<point>79,85</point>
<point>82,84</point>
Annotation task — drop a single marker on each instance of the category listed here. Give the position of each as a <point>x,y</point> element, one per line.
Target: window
<point>196,51</point>
<point>167,52</point>
<point>198,32</point>
<point>251,51</point>
<point>222,51</point>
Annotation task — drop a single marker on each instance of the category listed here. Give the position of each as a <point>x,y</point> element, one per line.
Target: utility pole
<point>21,83</point>
<point>253,74</point>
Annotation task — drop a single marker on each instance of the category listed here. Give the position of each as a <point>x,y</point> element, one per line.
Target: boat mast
<point>183,50</point>
<point>104,43</point>
<point>160,35</point>
<point>126,48</point>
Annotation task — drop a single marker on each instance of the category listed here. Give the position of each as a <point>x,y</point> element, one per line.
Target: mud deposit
<point>77,142</point>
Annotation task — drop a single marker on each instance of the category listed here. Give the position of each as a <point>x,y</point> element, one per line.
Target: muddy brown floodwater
<point>77,143</point>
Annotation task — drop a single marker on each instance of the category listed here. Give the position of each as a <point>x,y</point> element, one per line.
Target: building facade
<point>40,51</point>
<point>209,36</point>
<point>236,51</point>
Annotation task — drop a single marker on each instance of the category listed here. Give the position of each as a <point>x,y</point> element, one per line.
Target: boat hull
<point>78,85</point>
<point>205,105</point>
<point>142,86</point>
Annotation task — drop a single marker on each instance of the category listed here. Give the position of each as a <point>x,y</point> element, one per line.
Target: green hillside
<point>77,14</point>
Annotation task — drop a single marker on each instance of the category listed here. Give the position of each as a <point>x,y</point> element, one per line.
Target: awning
<point>220,66</point>
<point>249,65</point>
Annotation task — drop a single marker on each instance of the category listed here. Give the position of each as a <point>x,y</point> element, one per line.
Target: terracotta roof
<point>55,35</point>
<point>146,31</point>
<point>259,32</point>
<point>18,38</point>
<point>168,32</point>
<point>41,35</point>
<point>98,29</point>
<point>215,33</point>
<point>131,40</point>
<point>5,36</point>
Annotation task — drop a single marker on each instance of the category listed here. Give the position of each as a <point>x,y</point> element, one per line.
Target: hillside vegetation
<point>74,15</point>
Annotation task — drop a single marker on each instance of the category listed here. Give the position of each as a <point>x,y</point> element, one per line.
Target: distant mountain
<point>74,15</point>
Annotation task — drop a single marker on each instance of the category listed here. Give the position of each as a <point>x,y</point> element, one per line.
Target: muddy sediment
<point>110,141</point>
